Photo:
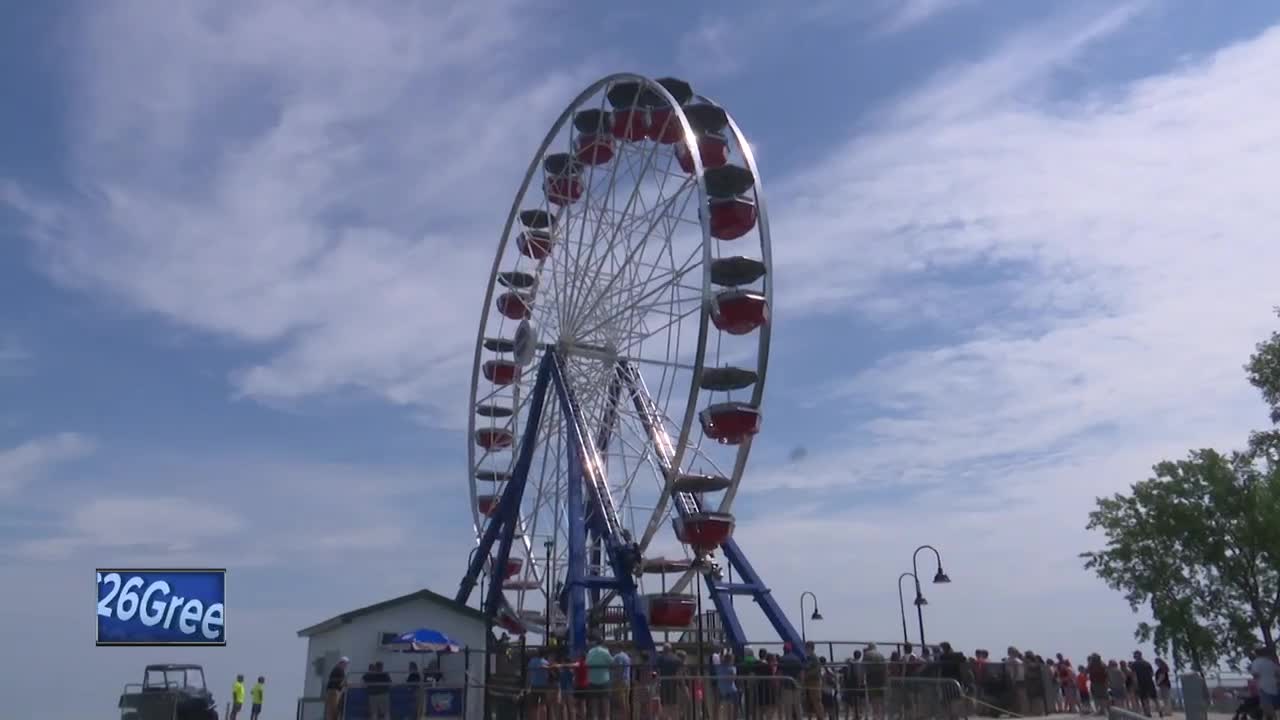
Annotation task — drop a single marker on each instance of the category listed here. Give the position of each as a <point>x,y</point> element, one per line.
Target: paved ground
<point>1174,716</point>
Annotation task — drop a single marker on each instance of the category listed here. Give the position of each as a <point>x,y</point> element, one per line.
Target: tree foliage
<point>1199,542</point>
<point>1264,372</point>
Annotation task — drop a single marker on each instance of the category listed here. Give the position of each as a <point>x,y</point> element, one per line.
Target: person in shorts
<point>255,694</point>
<point>670,667</point>
<point>1266,672</point>
<point>334,687</point>
<point>538,679</point>
<point>1164,686</point>
<point>237,697</point>
<point>581,687</point>
<point>378,689</point>
<point>622,666</point>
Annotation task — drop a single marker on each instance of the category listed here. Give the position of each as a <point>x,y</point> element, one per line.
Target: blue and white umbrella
<point>425,640</point>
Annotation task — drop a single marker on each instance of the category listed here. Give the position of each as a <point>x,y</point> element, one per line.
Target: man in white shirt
<point>1018,678</point>
<point>622,682</point>
<point>1265,670</point>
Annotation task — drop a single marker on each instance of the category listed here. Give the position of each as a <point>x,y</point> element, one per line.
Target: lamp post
<point>488,624</point>
<point>546,619</point>
<point>484,572</point>
<point>816,615</point>
<point>939,578</point>
<point>902,607</point>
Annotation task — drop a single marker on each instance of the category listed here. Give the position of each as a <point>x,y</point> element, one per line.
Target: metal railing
<point>680,697</point>
<point>914,698</point>
<point>396,701</point>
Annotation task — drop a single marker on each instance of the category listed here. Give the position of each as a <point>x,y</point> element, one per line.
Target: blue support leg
<point>723,602</point>
<point>507,514</point>
<point>602,447</point>
<point>576,571</point>
<point>761,594</point>
<point>585,464</point>
<point>721,594</point>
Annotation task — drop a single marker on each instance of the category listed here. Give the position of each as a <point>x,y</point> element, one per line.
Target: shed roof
<point>423,594</point>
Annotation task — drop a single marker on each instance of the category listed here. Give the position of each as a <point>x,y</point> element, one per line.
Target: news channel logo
<point>162,606</point>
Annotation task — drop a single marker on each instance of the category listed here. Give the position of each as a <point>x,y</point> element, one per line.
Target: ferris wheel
<point>619,371</point>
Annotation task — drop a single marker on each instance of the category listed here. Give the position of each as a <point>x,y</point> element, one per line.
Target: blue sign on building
<point>440,703</point>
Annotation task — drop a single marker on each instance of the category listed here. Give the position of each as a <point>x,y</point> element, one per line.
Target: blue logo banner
<point>161,607</point>
<point>439,703</point>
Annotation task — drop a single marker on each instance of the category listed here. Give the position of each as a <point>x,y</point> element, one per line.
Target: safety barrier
<point>682,697</point>
<point>915,698</point>
<point>868,690</point>
<point>310,708</point>
<point>397,701</point>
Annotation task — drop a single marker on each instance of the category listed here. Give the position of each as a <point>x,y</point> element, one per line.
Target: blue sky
<point>1021,252</point>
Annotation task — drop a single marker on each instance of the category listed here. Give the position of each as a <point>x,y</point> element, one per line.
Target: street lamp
<point>816,615</point>
<point>546,619</point>
<point>939,578</point>
<point>902,606</point>
<point>484,571</point>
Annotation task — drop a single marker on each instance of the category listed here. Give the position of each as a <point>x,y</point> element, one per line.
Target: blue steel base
<point>587,515</point>
<point>721,593</point>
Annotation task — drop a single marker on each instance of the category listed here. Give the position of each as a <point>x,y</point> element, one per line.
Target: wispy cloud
<point>1117,247</point>
<point>29,461</point>
<point>263,511</point>
<point>903,15</point>
<point>336,211</point>
<point>15,359</point>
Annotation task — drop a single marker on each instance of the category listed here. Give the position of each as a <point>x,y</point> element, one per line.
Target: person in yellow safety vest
<point>255,694</point>
<point>237,697</point>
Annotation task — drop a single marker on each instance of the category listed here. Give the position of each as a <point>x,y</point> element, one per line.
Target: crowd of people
<point>800,683</point>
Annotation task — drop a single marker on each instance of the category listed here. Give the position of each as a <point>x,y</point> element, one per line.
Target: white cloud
<point>1120,250</point>
<point>313,178</point>
<point>14,357</point>
<point>904,15</point>
<point>259,512</point>
<point>27,462</point>
<point>1143,275</point>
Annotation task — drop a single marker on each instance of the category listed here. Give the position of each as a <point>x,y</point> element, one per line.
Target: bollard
<point>1195,697</point>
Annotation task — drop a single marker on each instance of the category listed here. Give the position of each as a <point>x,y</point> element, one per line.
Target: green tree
<point>1264,372</point>
<point>1199,542</point>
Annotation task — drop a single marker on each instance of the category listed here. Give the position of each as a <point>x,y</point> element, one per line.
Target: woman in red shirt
<point>1082,687</point>
<point>581,686</point>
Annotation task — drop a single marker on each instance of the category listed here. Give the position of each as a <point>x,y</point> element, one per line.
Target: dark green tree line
<point>1198,544</point>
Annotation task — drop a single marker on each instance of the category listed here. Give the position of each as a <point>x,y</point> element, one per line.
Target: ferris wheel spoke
<point>632,263</point>
<point>673,277</point>
<point>623,230</point>
<point>581,273</point>
<point>575,276</point>
<point>668,249</point>
<point>643,457</point>
<point>599,323</point>
<point>633,253</point>
<point>541,495</point>
<point>625,348</point>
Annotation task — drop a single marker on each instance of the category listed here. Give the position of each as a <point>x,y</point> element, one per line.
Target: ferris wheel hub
<point>569,347</point>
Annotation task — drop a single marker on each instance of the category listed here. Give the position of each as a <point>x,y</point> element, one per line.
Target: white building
<point>361,635</point>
